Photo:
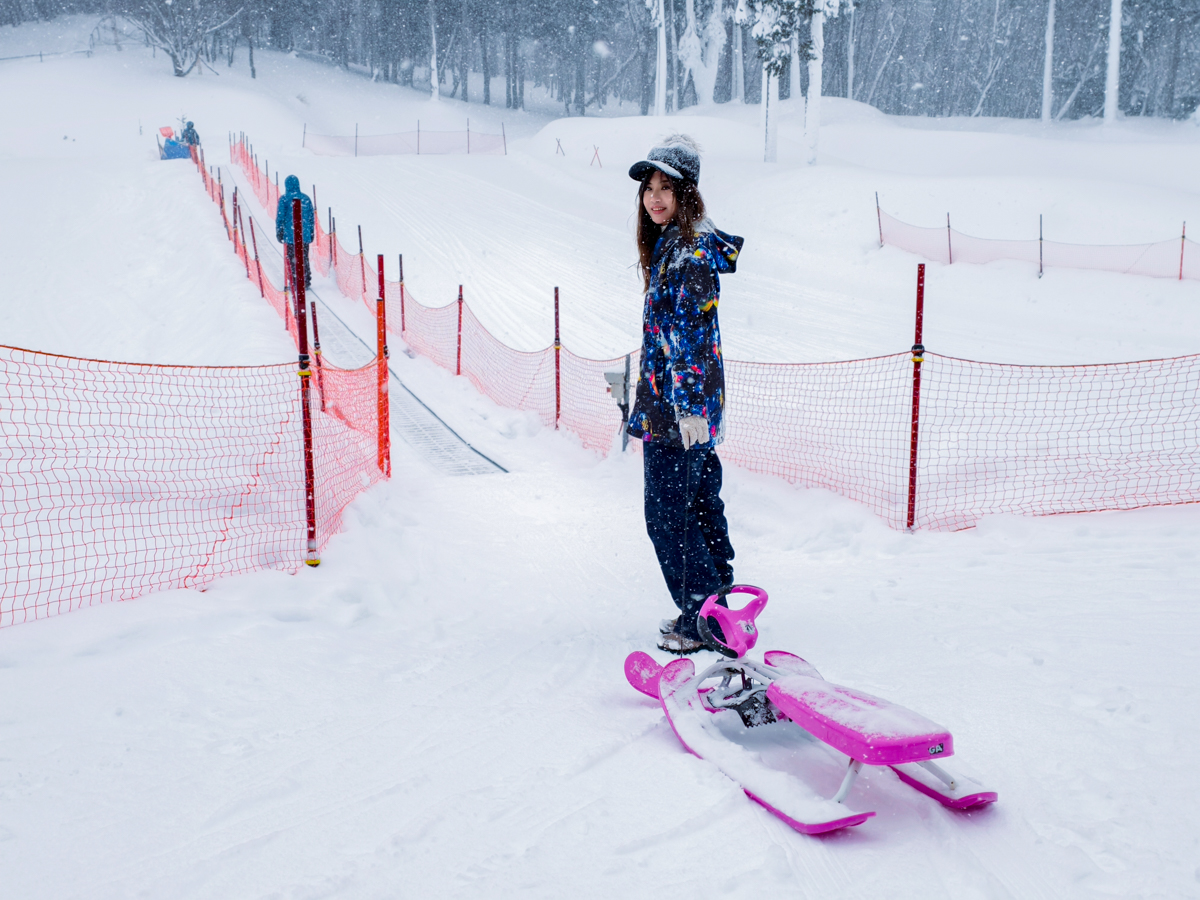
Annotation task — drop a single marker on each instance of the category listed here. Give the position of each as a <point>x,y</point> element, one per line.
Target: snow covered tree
<point>1048,65</point>
<point>700,49</point>
<point>775,32</point>
<point>179,27</point>
<point>779,34</point>
<point>1112,78</point>
<point>819,10</point>
<point>434,79</point>
<point>906,57</point>
<point>659,18</point>
<point>737,72</point>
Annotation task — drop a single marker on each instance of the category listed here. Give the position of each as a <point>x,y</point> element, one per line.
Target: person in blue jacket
<point>189,135</point>
<point>679,405</point>
<point>283,226</point>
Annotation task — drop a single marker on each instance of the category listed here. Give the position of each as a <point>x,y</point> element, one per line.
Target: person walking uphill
<point>678,409</point>
<point>283,226</point>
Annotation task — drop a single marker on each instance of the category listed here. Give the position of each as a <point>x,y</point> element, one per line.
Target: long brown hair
<point>689,209</point>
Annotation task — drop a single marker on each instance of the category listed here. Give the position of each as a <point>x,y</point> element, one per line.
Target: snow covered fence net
<point>1040,440</point>
<point>841,426</point>
<point>993,438</point>
<point>346,454</point>
<point>120,479</point>
<point>577,400</point>
<point>264,189</point>
<point>407,143</point>
<point>1172,258</point>
<point>117,479</point>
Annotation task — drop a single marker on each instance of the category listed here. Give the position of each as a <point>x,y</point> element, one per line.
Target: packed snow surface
<point>439,710</point>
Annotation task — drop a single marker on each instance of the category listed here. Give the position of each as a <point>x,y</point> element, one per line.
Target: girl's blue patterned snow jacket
<point>681,370</point>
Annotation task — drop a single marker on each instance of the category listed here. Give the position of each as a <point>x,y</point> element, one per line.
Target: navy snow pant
<point>685,519</point>
<point>289,251</point>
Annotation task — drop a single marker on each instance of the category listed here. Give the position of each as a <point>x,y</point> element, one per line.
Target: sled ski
<point>819,725</point>
<point>786,797</point>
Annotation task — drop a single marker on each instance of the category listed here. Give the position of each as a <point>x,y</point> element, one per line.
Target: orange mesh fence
<point>348,397</point>
<point>1173,258</point>
<point>1039,440</point>
<point>122,478</point>
<point>841,426</point>
<point>406,143</point>
<point>509,377</point>
<point>346,431</point>
<point>262,186</point>
<point>431,331</point>
<point>587,408</point>
<point>993,438</point>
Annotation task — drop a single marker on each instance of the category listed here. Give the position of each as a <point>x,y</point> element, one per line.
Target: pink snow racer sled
<point>784,733</point>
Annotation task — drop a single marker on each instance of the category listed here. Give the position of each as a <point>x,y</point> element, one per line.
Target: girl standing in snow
<point>680,399</point>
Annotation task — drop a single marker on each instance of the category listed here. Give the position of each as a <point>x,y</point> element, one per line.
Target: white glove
<point>693,430</point>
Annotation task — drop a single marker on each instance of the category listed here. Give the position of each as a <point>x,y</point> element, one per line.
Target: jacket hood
<point>723,249</point>
<point>291,184</point>
<point>718,246</point>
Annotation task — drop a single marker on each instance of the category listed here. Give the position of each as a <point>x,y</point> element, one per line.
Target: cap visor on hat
<point>639,170</point>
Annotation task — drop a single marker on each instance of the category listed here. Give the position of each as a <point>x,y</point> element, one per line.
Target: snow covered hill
<point>439,709</point>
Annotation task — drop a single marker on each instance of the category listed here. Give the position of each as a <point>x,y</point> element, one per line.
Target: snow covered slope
<point>439,709</point>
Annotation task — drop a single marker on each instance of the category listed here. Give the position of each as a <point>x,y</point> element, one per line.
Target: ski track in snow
<point>438,709</point>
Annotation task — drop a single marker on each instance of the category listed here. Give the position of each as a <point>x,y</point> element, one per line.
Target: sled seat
<point>865,728</point>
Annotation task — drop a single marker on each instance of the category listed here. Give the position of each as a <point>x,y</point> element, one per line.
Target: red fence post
<point>245,249</point>
<point>381,358</point>
<point>310,493</point>
<point>402,293</point>
<point>221,195</point>
<point>1182,246</point>
<point>879,218</point>
<point>362,264</point>
<point>257,264</point>
<point>458,360</point>
<point>918,356</point>
<point>317,354</point>
<point>557,365</point>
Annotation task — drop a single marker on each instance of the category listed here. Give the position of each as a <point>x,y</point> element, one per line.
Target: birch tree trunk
<point>812,108</point>
<point>770,112</point>
<point>673,89</point>
<point>738,87</point>
<point>711,47</point>
<point>1112,79</point>
<point>660,67</point>
<point>1048,67</point>
<point>433,67</point>
<point>487,69</point>
<point>794,69</point>
<point>850,56</point>
<point>689,53</point>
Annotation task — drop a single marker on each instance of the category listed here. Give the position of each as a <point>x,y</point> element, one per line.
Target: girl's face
<point>659,199</point>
